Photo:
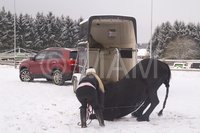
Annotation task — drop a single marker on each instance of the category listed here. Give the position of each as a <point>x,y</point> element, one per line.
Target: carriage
<point>108,44</point>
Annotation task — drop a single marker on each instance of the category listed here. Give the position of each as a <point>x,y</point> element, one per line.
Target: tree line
<point>177,41</point>
<point>38,32</point>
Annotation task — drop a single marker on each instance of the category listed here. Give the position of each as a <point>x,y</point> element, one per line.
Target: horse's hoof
<point>142,118</point>
<point>102,125</point>
<point>135,114</point>
<point>83,126</point>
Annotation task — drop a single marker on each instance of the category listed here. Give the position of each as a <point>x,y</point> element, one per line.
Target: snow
<point>142,52</point>
<point>42,107</point>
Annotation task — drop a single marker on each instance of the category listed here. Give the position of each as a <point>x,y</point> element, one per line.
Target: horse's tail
<point>166,82</point>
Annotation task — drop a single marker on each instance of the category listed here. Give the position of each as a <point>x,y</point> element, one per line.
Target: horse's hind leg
<point>83,117</point>
<point>154,101</point>
<point>99,116</point>
<point>139,112</point>
<point>97,106</point>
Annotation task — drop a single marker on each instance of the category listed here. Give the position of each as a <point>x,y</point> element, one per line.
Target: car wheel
<point>25,75</point>
<point>58,77</point>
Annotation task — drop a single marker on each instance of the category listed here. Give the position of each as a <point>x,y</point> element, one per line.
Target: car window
<point>73,54</point>
<point>54,55</point>
<point>41,55</point>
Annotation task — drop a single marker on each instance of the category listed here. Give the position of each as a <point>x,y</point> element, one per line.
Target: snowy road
<point>42,107</point>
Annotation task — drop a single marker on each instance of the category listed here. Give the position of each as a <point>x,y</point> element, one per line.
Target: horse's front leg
<point>154,101</point>
<point>139,112</point>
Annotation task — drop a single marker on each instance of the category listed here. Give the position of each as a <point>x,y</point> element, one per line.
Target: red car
<point>55,64</point>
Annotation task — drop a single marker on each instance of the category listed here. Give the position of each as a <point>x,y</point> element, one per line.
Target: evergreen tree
<point>191,28</point>
<point>180,28</point>
<point>51,30</point>
<point>39,26</point>
<point>8,38</point>
<point>67,32</point>
<point>3,23</point>
<point>57,30</point>
<point>197,38</point>
<point>161,37</point>
<point>39,32</point>
<point>25,31</point>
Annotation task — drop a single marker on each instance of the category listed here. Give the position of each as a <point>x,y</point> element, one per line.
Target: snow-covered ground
<point>42,107</point>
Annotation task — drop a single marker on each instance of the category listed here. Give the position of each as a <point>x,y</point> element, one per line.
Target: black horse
<point>136,91</point>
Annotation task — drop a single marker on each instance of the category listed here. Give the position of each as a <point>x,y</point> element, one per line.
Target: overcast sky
<point>163,10</point>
